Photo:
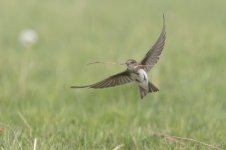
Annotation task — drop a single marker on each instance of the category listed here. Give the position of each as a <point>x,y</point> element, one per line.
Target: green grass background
<point>35,98</point>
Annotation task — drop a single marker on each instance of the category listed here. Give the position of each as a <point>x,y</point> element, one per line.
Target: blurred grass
<point>35,98</point>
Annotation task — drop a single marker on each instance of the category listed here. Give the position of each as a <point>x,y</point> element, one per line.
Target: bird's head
<point>131,64</point>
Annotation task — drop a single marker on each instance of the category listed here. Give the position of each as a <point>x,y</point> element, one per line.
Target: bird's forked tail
<point>152,88</point>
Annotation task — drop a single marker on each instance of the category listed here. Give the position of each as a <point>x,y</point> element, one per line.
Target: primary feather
<point>114,80</point>
<point>152,56</point>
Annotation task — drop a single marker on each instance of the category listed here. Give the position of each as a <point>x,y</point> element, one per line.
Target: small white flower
<point>28,37</point>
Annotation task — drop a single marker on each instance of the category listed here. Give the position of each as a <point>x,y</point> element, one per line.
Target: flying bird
<point>136,71</point>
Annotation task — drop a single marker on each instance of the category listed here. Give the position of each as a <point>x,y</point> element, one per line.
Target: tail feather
<point>143,92</point>
<point>152,88</point>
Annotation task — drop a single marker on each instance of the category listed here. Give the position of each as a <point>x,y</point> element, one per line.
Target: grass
<point>37,103</point>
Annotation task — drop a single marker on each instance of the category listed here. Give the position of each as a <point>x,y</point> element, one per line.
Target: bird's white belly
<point>141,78</point>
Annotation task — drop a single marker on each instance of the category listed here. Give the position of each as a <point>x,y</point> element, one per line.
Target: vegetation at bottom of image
<point>38,107</point>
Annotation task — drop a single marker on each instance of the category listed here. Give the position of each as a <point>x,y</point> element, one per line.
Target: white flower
<point>28,37</point>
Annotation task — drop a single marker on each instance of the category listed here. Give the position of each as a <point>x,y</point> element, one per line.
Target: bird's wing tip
<point>84,86</point>
<point>163,16</point>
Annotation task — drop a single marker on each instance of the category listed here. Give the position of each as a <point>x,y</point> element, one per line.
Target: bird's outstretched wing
<point>152,56</point>
<point>114,80</point>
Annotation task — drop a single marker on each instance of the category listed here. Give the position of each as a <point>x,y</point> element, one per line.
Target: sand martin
<point>136,71</point>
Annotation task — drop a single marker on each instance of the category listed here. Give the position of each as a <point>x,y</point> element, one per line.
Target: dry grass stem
<point>35,144</point>
<point>118,147</point>
<point>177,140</point>
<point>113,63</point>
<point>25,122</point>
<point>102,62</point>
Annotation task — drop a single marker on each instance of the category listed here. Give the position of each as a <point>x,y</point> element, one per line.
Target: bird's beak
<point>123,64</point>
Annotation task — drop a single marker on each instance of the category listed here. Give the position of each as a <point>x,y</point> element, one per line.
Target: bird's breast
<point>139,76</point>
